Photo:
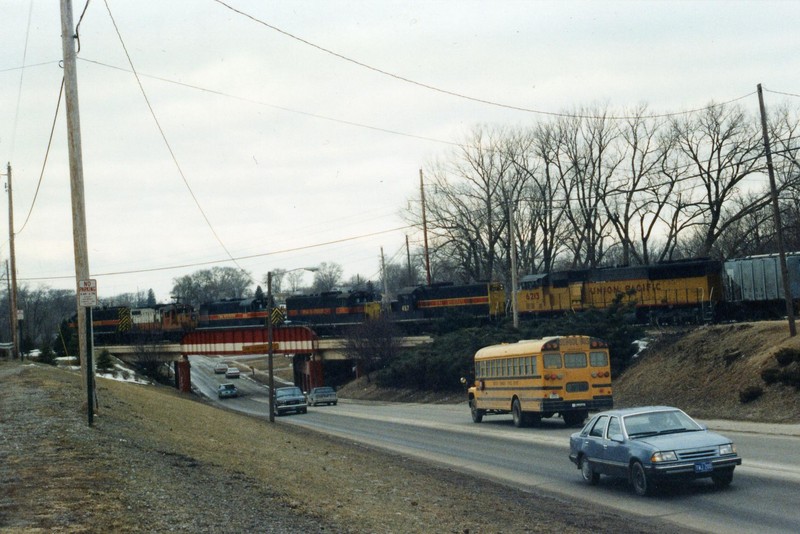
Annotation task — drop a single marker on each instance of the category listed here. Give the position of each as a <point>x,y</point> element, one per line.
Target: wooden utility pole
<point>425,229</point>
<point>13,287</point>
<point>513,245</point>
<point>78,202</point>
<point>776,212</point>
<point>385,301</point>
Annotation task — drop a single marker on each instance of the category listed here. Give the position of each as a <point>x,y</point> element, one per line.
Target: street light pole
<point>271,369</point>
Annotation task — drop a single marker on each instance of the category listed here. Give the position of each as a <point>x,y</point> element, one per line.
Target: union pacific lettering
<point>613,288</point>
<point>441,303</point>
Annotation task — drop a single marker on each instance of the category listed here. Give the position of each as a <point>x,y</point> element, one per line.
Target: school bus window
<point>552,361</point>
<point>533,365</point>
<point>598,359</point>
<point>575,360</point>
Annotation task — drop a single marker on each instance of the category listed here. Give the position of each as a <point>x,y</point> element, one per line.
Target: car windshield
<point>659,422</point>
<point>323,390</point>
<point>287,392</point>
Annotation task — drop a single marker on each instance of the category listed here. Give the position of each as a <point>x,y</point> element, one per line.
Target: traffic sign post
<point>87,293</point>
<point>87,298</point>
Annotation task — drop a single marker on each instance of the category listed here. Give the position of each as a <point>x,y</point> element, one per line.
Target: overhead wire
<point>281,108</point>
<point>239,258</point>
<point>46,154</point>
<point>460,95</point>
<point>169,146</point>
<point>21,79</point>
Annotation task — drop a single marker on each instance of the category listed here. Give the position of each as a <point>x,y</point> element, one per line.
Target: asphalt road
<point>762,498</point>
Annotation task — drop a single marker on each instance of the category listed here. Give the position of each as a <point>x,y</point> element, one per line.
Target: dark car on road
<point>651,445</point>
<point>322,395</point>
<point>290,399</point>
<point>226,391</point>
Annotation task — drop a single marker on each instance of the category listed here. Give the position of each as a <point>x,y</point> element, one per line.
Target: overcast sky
<point>297,156</point>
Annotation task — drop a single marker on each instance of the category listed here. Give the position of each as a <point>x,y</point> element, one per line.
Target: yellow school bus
<point>538,378</point>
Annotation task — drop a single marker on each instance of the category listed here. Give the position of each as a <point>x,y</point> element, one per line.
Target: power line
<point>281,108</point>
<point>240,258</point>
<point>460,95</point>
<point>167,143</point>
<point>46,154</point>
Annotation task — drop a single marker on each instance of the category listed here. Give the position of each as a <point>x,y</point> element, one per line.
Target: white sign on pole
<point>87,293</point>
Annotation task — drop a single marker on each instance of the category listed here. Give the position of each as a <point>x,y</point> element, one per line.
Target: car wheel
<point>516,414</point>
<point>588,473</point>
<point>334,403</point>
<point>639,480</point>
<point>477,415</point>
<point>305,410</point>
<point>722,478</point>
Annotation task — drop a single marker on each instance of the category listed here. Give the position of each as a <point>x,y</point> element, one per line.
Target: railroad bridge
<point>307,351</point>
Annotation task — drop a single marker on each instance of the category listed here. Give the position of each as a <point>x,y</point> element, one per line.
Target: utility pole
<point>776,212</point>
<point>13,287</point>
<point>425,229</point>
<point>513,245</point>
<point>78,202</point>
<point>385,300</point>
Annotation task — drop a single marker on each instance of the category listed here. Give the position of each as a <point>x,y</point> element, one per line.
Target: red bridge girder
<point>243,341</point>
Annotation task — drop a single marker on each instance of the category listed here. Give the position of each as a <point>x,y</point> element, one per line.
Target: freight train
<point>688,291</point>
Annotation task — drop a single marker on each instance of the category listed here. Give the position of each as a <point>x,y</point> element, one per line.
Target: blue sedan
<point>650,445</point>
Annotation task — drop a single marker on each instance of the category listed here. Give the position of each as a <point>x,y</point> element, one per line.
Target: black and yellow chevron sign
<point>277,316</point>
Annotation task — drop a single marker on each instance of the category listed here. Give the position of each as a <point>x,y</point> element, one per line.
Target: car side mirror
<point>619,438</point>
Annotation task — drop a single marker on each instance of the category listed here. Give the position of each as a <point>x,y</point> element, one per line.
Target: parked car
<point>226,391</point>
<point>650,445</point>
<point>232,372</point>
<point>220,368</point>
<point>290,399</point>
<point>322,395</point>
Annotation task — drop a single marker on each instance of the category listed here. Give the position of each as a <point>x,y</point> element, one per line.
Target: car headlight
<point>668,456</point>
<point>729,448</point>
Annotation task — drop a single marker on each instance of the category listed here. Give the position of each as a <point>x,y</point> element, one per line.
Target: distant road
<point>762,498</point>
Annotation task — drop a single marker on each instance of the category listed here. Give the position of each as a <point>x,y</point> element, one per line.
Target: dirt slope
<point>703,371</point>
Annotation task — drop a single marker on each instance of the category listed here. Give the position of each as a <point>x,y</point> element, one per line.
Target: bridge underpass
<point>309,355</point>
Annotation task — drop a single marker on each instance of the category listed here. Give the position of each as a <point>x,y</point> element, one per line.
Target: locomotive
<point>121,324</point>
<point>415,306</point>
<point>678,292</point>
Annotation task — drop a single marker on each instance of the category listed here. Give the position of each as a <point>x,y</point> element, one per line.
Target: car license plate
<point>703,467</point>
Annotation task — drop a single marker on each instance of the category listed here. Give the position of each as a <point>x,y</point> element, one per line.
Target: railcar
<point>233,312</point>
<point>424,303</point>
<point>330,310</point>
<point>754,286</point>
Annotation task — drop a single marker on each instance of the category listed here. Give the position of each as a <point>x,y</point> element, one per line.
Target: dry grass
<point>158,460</point>
<point>703,371</point>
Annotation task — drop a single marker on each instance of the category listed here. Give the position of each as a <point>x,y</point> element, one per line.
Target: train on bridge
<point>687,291</point>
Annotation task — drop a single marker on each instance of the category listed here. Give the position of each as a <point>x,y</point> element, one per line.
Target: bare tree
<point>639,196</point>
<point>467,208</point>
<point>327,277</point>
<point>212,284</point>
<point>592,160</point>
<point>722,146</point>
<point>372,344</point>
